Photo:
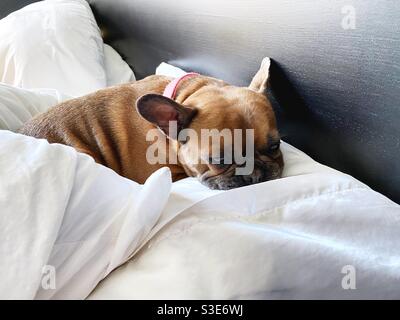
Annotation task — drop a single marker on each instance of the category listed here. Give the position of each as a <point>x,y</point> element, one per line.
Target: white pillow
<point>18,105</point>
<point>117,70</point>
<point>53,44</point>
<point>166,69</point>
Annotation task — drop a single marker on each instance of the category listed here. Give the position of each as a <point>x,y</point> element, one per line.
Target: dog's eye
<point>274,147</point>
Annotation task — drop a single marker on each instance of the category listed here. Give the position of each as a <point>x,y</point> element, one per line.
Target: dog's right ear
<point>160,111</point>
<point>260,80</point>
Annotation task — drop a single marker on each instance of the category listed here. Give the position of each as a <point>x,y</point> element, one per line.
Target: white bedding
<point>53,44</point>
<point>60,209</point>
<point>288,238</point>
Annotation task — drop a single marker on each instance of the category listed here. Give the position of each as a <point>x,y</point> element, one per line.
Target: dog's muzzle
<point>228,180</point>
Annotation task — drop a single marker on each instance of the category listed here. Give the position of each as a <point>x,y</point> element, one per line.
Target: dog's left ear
<point>260,80</point>
<point>160,111</point>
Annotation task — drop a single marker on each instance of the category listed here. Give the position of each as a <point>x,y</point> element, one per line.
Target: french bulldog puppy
<point>112,126</point>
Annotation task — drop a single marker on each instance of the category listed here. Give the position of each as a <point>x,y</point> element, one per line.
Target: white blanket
<point>66,221</point>
<point>316,233</point>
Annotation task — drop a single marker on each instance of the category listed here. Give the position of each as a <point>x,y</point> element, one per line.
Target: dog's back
<point>104,124</point>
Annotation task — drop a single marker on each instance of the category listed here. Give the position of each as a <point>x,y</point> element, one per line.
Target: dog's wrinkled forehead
<point>232,107</point>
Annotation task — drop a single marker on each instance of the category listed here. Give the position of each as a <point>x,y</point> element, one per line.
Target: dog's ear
<point>260,80</point>
<point>161,110</point>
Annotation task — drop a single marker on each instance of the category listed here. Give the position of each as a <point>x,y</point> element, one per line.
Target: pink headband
<point>172,87</point>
